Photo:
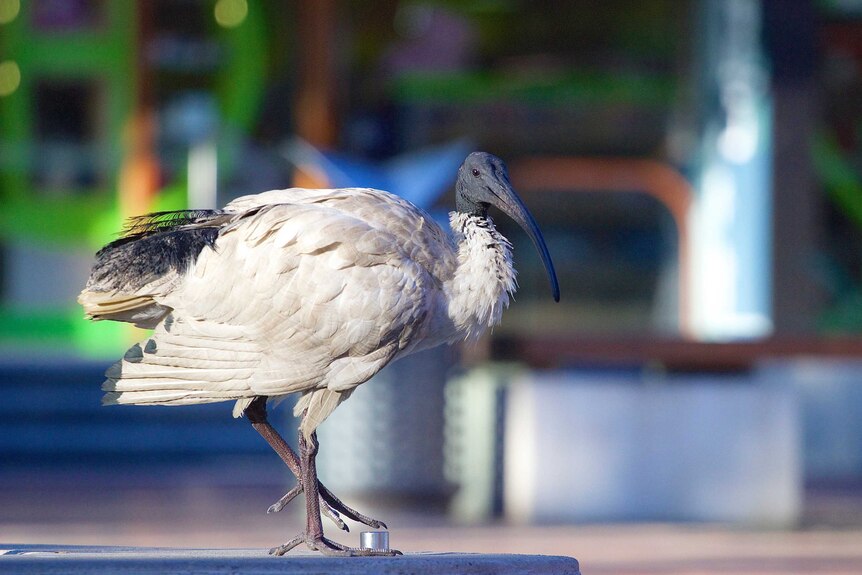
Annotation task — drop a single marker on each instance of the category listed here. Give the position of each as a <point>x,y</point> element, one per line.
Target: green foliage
<point>842,182</point>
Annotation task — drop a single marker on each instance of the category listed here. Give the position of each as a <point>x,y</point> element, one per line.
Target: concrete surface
<point>29,559</point>
<point>224,506</point>
<point>659,448</point>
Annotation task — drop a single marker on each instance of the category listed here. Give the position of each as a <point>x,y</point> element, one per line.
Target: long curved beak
<point>506,200</point>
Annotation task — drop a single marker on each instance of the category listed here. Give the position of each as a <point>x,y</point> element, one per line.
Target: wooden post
<point>315,107</point>
<point>138,181</point>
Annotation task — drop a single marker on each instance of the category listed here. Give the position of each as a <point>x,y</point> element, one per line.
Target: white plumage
<point>300,291</point>
<point>315,292</point>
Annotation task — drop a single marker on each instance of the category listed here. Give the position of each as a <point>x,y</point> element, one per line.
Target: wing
<point>331,296</point>
<point>318,294</point>
<point>149,259</point>
<point>412,229</point>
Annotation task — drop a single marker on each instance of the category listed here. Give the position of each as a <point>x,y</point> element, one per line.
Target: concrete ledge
<point>682,447</point>
<point>47,559</point>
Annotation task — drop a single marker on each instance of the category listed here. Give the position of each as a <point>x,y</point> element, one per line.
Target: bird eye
<point>475,172</point>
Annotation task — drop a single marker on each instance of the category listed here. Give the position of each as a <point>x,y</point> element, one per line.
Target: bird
<point>308,292</point>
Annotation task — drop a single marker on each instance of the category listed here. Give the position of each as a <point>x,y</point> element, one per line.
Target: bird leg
<point>331,506</point>
<point>313,534</point>
<point>256,413</point>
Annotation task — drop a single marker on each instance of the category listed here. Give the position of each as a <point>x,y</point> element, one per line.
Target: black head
<point>484,181</point>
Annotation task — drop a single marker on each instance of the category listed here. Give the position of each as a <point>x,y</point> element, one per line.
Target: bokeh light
<point>9,10</point>
<point>10,77</point>
<point>230,13</point>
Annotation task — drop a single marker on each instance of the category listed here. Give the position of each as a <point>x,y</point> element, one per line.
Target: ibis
<point>308,292</point>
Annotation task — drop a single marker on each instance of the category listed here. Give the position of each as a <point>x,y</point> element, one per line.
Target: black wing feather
<point>138,227</point>
<point>154,245</point>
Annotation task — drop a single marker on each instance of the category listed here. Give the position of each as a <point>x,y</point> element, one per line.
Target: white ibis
<point>303,291</point>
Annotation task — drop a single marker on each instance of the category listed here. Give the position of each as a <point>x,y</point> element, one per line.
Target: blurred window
<point>67,15</point>
<point>67,127</point>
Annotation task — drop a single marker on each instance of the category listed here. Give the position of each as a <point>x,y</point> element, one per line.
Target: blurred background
<point>695,166</point>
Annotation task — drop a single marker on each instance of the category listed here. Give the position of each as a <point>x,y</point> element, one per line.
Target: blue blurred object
<point>53,416</point>
<point>420,177</point>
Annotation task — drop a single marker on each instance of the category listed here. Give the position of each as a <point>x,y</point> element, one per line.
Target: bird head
<point>484,181</point>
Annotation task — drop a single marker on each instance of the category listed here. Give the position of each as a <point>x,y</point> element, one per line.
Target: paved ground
<point>41,560</point>
<point>198,509</point>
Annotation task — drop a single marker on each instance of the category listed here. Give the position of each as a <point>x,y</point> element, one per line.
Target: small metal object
<point>374,540</point>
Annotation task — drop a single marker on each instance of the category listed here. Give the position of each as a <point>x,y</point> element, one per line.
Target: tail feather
<point>176,366</point>
<point>198,362</point>
<point>129,375</point>
<point>161,397</point>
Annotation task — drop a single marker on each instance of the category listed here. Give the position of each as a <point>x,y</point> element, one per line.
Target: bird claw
<point>333,516</point>
<point>331,506</point>
<point>285,499</point>
<point>282,549</point>
<point>341,508</point>
<point>325,508</point>
<point>330,548</point>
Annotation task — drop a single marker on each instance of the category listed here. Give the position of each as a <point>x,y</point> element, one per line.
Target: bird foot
<point>325,508</point>
<point>331,506</point>
<point>330,548</point>
<point>285,499</point>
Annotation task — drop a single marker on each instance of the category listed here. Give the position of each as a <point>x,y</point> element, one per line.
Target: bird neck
<point>484,278</point>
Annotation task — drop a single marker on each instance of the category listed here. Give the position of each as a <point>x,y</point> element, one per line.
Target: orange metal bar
<point>573,174</point>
